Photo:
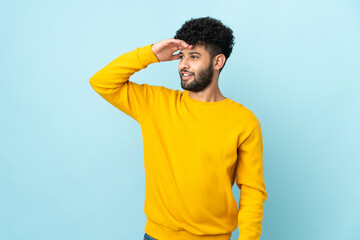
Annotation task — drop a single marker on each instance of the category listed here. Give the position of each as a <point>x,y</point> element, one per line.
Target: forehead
<point>196,49</point>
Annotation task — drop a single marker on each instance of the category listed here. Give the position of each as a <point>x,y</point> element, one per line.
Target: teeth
<point>186,74</point>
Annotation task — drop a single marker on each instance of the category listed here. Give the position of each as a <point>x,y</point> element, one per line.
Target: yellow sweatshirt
<point>193,151</point>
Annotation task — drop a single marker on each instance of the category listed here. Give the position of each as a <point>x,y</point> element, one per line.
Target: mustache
<point>186,71</point>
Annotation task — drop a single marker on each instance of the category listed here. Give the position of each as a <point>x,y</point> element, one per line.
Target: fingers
<point>175,57</point>
<point>180,44</point>
<point>165,49</point>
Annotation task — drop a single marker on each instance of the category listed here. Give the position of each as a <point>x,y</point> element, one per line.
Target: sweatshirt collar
<point>203,104</point>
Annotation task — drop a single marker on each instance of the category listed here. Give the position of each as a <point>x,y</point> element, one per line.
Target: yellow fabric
<point>193,151</point>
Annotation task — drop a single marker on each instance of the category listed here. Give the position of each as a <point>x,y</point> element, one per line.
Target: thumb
<point>175,57</point>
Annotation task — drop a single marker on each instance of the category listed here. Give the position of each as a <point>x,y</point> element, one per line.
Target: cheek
<point>198,67</point>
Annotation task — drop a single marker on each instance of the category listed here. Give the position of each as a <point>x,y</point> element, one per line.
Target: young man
<point>196,141</point>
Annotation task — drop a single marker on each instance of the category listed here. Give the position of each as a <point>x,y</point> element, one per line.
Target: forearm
<point>112,83</point>
<point>118,72</point>
<point>250,214</point>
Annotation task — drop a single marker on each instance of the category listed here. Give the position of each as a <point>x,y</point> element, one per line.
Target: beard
<point>200,80</point>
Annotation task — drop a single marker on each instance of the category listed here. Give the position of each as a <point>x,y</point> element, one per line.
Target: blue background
<point>71,165</point>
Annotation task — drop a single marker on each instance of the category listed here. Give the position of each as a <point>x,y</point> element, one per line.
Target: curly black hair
<point>209,32</point>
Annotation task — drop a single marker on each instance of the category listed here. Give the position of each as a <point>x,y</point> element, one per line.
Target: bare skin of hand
<point>164,49</point>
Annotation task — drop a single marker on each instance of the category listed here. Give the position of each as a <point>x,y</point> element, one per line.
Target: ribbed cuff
<point>146,55</point>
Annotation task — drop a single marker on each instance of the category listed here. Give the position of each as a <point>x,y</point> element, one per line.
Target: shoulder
<point>161,93</point>
<point>244,114</point>
<point>158,89</point>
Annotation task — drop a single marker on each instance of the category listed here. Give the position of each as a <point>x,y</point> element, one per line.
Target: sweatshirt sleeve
<point>250,180</point>
<point>112,83</point>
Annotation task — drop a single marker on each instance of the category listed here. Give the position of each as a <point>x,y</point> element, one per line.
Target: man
<point>196,141</point>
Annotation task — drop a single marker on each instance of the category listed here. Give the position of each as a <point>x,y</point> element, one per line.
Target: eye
<point>194,57</point>
<point>181,56</point>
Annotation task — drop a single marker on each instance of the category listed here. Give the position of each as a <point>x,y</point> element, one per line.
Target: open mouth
<point>186,76</point>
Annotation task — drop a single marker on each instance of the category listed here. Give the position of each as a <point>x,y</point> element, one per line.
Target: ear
<point>219,61</point>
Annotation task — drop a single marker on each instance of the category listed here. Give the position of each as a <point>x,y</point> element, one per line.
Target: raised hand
<point>164,49</point>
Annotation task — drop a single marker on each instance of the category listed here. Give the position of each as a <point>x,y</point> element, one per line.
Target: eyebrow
<point>191,53</point>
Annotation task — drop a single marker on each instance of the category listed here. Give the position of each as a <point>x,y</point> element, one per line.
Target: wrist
<point>147,56</point>
<point>153,49</point>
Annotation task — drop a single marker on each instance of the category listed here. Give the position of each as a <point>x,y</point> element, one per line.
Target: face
<point>195,69</point>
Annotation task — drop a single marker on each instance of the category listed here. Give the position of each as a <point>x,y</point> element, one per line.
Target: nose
<point>183,64</point>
